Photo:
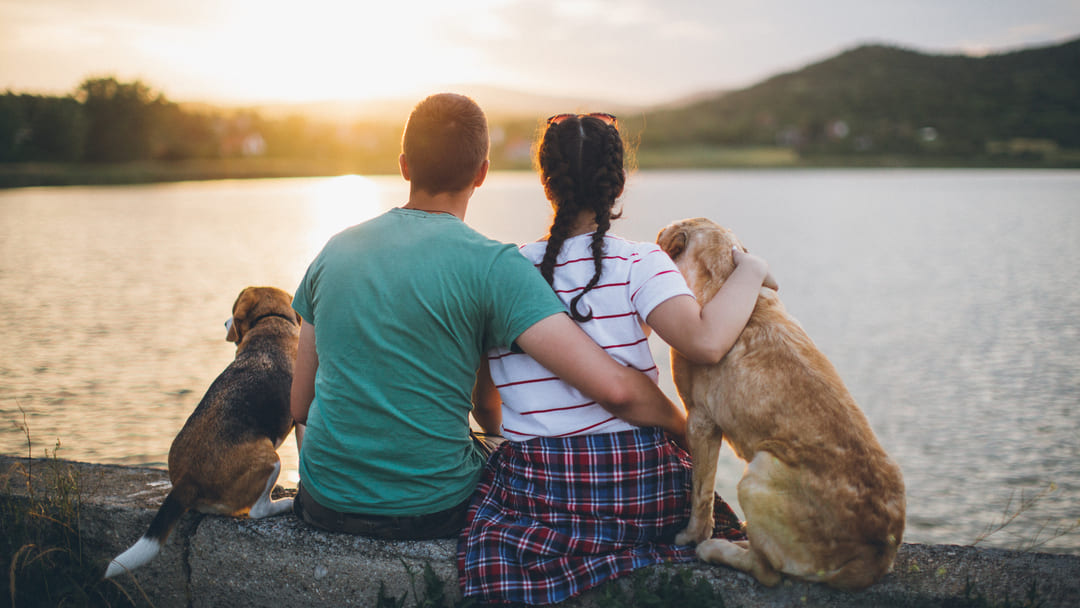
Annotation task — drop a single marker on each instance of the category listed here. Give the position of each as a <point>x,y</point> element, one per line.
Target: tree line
<point>109,121</point>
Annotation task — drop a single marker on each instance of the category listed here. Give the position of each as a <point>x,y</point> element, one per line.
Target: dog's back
<point>244,401</point>
<point>244,410</point>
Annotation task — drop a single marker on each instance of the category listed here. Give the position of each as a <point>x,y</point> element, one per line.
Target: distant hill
<point>884,99</point>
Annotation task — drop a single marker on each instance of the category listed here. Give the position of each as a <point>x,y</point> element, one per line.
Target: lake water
<point>948,300</point>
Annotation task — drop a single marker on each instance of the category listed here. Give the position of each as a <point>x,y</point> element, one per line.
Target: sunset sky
<point>630,51</point>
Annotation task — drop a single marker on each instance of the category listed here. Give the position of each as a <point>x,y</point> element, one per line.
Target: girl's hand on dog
<point>748,262</point>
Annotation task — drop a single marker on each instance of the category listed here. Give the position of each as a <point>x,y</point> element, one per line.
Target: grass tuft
<point>41,542</point>
<point>1015,508</point>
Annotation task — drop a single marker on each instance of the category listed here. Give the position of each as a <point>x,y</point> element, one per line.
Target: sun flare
<point>330,50</point>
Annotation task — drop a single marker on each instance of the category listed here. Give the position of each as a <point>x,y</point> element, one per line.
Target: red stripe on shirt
<point>519,382</point>
<point>623,284</point>
<point>557,409</point>
<point>506,430</point>
<point>581,430</point>
<point>579,260</point>
<point>633,295</point>
<point>625,314</point>
<point>635,343</point>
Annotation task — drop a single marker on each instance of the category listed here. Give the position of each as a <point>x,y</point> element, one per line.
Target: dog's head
<point>256,303</point>
<point>701,249</point>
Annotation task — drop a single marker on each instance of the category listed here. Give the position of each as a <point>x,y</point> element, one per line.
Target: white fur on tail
<point>141,552</point>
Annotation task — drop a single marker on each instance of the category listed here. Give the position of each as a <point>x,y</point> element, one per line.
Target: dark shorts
<point>443,524</point>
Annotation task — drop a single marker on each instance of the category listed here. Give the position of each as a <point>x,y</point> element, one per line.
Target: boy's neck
<point>453,203</point>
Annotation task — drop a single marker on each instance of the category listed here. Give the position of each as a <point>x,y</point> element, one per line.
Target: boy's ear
<point>481,173</point>
<point>403,166</point>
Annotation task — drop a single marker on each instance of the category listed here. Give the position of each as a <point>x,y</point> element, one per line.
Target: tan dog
<point>225,458</point>
<point>822,499</point>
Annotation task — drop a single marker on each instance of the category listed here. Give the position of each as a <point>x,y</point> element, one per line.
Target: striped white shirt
<point>637,277</point>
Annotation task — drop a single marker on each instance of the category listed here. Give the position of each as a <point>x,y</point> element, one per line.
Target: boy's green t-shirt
<point>404,307</point>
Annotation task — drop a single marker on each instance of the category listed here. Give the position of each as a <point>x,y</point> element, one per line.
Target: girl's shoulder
<point>613,242</point>
<point>581,245</point>
<point>534,250</point>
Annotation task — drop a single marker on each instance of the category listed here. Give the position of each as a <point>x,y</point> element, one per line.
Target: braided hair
<point>581,167</point>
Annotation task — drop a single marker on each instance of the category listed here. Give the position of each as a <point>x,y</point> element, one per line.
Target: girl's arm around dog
<point>704,334</point>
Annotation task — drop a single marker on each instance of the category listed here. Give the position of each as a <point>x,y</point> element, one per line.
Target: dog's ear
<point>241,308</point>
<point>233,334</point>
<point>675,244</point>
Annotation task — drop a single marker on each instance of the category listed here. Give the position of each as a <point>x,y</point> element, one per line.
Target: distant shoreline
<point>24,175</point>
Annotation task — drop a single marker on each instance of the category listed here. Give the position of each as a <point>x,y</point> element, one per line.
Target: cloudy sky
<point>631,51</point>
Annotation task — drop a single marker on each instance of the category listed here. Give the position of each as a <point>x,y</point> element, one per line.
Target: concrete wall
<point>221,561</point>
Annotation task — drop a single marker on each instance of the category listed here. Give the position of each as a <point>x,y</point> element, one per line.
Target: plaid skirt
<point>553,517</point>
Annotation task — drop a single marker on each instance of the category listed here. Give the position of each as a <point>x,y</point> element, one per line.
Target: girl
<point>579,495</point>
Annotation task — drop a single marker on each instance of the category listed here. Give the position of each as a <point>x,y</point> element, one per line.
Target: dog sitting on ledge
<point>823,501</point>
<point>224,460</point>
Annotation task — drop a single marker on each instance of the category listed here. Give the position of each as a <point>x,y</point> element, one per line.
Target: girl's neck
<point>585,223</point>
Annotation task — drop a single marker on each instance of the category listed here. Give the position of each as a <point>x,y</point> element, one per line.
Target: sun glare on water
<point>336,203</point>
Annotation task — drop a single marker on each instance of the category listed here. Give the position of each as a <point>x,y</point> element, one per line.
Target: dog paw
<point>688,537</point>
<point>718,551</point>
<point>285,505</point>
<point>263,509</point>
<point>740,556</point>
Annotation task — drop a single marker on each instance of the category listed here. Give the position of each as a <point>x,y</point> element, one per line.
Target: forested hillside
<point>878,99</point>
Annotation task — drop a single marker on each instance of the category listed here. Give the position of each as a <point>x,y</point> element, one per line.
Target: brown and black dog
<point>224,460</point>
<point>823,501</point>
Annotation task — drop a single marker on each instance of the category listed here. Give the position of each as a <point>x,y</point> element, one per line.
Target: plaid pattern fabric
<point>553,517</point>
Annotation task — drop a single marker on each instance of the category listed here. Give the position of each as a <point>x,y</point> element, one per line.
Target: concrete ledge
<point>221,561</point>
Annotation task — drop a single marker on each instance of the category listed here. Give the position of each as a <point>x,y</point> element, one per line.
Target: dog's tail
<point>150,544</point>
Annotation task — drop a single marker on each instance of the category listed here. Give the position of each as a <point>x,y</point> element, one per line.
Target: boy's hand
<point>752,263</point>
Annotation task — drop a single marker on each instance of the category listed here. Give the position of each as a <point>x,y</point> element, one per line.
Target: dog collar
<point>273,314</point>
